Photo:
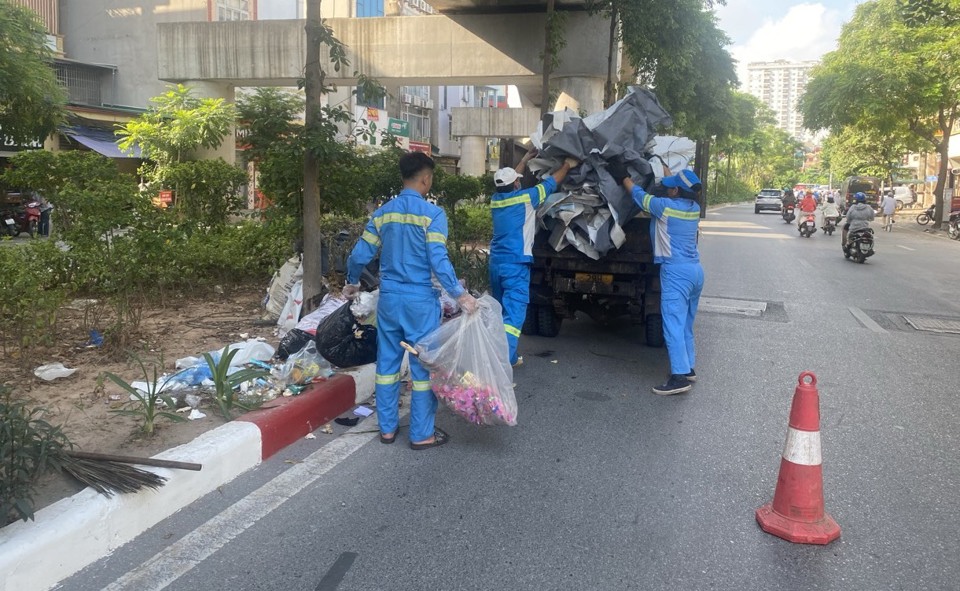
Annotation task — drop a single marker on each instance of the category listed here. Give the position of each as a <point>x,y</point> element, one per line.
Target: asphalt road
<point>606,486</point>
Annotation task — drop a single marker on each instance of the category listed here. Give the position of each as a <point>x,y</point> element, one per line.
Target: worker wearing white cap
<point>511,250</point>
<point>674,227</point>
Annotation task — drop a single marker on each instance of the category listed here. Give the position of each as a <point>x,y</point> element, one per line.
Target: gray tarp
<point>590,208</point>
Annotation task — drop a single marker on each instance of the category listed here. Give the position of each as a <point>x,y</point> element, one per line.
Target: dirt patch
<point>81,403</point>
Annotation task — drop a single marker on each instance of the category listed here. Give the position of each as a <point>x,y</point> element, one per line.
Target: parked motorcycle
<point>953,226</point>
<point>21,219</point>
<point>859,246</point>
<point>788,214</point>
<point>926,217</point>
<point>808,227</point>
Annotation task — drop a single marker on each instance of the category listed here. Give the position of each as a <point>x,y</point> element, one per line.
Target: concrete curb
<point>38,554</point>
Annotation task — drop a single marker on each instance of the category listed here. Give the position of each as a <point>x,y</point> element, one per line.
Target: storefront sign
<point>420,147</point>
<point>399,127</point>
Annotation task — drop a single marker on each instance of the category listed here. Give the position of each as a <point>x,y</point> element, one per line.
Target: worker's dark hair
<point>414,163</point>
<point>506,189</point>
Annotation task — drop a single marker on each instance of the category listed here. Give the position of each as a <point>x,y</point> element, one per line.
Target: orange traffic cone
<point>796,513</point>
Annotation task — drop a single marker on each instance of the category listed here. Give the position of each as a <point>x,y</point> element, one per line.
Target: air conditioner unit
<point>428,104</point>
<point>406,98</point>
<point>418,101</point>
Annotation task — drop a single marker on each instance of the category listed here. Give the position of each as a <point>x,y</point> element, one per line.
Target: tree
<point>897,64</point>
<point>31,101</point>
<point>863,151</point>
<point>267,117</point>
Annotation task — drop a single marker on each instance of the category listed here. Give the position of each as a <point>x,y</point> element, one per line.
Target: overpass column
<point>473,155</point>
<point>580,93</point>
<point>203,89</point>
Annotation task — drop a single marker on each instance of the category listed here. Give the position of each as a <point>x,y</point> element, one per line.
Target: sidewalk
<point>906,221</point>
<point>35,555</point>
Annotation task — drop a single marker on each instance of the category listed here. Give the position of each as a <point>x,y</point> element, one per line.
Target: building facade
<point>780,84</point>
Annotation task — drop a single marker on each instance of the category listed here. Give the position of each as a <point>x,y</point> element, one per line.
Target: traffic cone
<point>796,513</point>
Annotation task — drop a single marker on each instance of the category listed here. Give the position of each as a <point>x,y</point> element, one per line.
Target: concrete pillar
<point>228,149</point>
<point>435,116</point>
<point>473,155</point>
<point>579,93</point>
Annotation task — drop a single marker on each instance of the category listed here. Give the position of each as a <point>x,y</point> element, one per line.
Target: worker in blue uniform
<point>674,228</point>
<point>411,235</point>
<point>511,250</point>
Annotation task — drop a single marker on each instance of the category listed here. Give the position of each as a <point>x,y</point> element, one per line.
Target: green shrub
<point>471,223</point>
<point>32,290</point>
<point>29,446</point>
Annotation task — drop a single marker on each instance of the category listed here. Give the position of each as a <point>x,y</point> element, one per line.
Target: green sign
<point>398,127</point>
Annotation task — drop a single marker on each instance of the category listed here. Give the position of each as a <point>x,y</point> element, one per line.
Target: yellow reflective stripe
<point>371,238</point>
<point>646,201</point>
<point>508,202</point>
<point>543,193</point>
<point>436,237</point>
<point>669,212</point>
<point>388,379</point>
<point>420,386</point>
<point>512,330</point>
<point>402,218</point>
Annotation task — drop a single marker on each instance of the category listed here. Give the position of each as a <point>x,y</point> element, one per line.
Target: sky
<point>767,30</point>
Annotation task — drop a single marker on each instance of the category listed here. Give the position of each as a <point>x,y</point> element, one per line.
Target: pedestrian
<point>43,227</point>
<point>674,227</point>
<point>411,236</point>
<point>889,207</point>
<point>511,250</point>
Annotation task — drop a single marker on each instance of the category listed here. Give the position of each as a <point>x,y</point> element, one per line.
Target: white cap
<point>505,177</point>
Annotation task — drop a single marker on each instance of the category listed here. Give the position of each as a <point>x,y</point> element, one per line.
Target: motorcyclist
<point>788,198</point>
<point>807,205</point>
<point>859,216</point>
<point>829,210</point>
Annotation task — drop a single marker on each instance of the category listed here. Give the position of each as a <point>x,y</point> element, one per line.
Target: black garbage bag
<point>344,342</point>
<point>293,342</point>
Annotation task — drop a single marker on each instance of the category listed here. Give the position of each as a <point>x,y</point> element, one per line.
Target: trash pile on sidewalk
<point>591,208</point>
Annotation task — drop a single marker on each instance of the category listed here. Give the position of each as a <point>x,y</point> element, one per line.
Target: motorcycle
<point>859,246</point>
<point>926,217</point>
<point>808,227</point>
<point>953,226</point>
<point>22,219</point>
<point>787,213</point>
<point>830,224</point>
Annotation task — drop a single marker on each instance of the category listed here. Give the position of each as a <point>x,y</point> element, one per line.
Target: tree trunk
<point>943,148</point>
<point>547,61</point>
<point>610,90</point>
<point>312,247</point>
<point>701,165</point>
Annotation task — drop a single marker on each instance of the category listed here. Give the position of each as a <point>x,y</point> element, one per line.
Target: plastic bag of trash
<point>303,366</point>
<point>469,366</point>
<point>280,286</point>
<point>290,315</point>
<point>52,371</point>
<point>345,342</point>
<point>364,307</point>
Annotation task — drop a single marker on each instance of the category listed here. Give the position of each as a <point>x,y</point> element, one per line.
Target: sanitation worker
<point>411,235</point>
<point>674,227</point>
<point>511,250</point>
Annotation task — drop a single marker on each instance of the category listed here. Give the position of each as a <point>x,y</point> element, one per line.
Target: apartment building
<point>780,84</point>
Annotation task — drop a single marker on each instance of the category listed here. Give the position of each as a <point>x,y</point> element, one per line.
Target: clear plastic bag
<point>469,367</point>
<point>303,366</point>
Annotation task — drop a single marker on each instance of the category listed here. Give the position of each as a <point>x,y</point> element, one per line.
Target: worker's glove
<point>467,302</point>
<point>571,162</point>
<point>618,171</point>
<point>350,291</point>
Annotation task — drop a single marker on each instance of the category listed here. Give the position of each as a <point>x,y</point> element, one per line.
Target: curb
<point>34,555</point>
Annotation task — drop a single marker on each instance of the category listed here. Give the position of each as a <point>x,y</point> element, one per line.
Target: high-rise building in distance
<point>780,84</point>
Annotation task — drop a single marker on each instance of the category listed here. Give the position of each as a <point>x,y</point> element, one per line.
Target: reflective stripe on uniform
<point>646,201</point>
<point>386,380</point>
<point>402,218</point>
<point>421,386</point>
<point>513,330</point>
<point>670,212</point>
<point>512,201</point>
<point>543,193</point>
<point>436,237</point>
<point>371,238</point>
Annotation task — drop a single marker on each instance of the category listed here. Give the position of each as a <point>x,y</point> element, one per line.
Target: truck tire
<point>653,330</point>
<point>548,321</point>
<point>530,324</point>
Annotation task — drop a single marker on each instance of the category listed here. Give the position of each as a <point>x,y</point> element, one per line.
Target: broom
<point>108,474</point>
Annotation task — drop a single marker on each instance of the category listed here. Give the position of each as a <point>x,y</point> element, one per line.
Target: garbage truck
<point>622,284</point>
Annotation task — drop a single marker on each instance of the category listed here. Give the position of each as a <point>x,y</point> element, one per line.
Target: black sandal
<point>388,440</point>
<point>439,438</point>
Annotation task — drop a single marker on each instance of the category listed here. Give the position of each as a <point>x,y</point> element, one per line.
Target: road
<point>606,486</point>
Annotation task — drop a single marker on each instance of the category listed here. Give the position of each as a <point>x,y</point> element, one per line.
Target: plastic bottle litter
<point>52,371</point>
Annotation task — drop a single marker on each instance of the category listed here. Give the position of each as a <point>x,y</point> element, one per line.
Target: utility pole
<point>313,89</point>
<point>547,61</point>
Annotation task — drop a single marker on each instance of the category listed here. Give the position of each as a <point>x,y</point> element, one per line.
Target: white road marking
<point>747,235</point>
<point>905,247</point>
<point>731,306</point>
<point>805,264</point>
<point>739,225</point>
<point>176,560</point>
<point>866,320</point>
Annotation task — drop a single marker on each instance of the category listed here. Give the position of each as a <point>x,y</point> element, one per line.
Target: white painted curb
<point>75,532</point>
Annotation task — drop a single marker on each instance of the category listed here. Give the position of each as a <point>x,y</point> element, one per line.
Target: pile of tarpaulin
<point>591,208</point>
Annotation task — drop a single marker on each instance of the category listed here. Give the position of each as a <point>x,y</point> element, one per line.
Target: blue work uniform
<point>511,253</point>
<point>411,235</point>
<point>673,228</point>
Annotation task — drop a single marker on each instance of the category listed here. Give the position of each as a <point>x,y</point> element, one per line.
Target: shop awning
<point>102,141</point>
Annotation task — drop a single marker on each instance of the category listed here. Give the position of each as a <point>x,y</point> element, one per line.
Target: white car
<point>768,199</point>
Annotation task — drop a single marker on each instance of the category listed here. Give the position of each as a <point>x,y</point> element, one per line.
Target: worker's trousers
<point>680,286</point>
<point>405,317</point>
<point>510,284</point>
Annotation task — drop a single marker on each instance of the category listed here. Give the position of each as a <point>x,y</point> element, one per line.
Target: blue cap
<point>685,179</point>
<point>859,196</point>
